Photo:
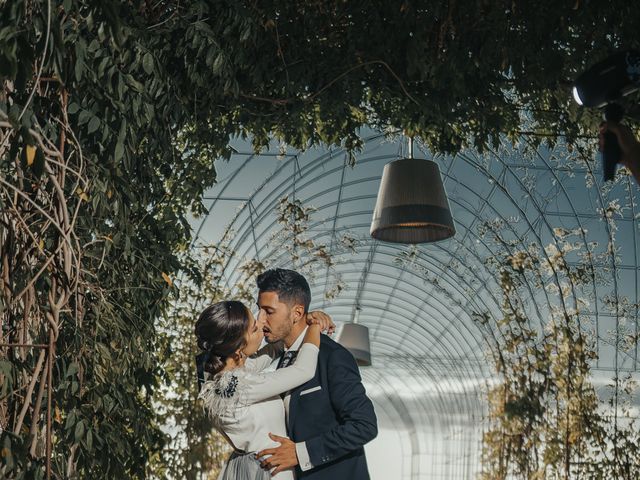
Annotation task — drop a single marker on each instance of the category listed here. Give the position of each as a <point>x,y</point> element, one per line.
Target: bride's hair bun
<point>214,363</point>
<point>220,331</point>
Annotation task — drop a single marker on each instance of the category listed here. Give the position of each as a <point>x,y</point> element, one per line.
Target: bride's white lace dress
<point>245,403</point>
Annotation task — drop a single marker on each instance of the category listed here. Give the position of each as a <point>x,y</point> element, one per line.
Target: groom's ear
<point>298,313</point>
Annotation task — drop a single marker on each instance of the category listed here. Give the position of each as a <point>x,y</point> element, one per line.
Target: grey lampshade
<point>355,338</point>
<point>412,205</point>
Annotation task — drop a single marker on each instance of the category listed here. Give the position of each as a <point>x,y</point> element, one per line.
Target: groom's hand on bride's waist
<point>281,457</point>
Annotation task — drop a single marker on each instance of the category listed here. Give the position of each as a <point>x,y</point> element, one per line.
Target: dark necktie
<point>287,359</point>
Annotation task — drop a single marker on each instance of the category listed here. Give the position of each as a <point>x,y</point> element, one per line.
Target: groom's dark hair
<point>291,287</point>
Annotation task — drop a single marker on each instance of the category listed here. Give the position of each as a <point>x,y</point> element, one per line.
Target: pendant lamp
<point>355,338</point>
<point>412,205</point>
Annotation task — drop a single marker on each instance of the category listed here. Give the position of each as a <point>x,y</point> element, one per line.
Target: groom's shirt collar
<point>298,343</point>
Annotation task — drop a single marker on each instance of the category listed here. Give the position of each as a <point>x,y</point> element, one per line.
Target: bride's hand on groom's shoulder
<point>318,317</point>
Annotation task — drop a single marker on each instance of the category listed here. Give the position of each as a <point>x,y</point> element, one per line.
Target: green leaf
<point>71,420</point>
<point>119,150</point>
<point>78,70</point>
<point>79,431</point>
<point>217,63</point>
<point>94,123</point>
<point>6,369</point>
<point>89,440</point>
<point>120,86</point>
<point>72,370</point>
<point>134,84</point>
<point>93,46</point>
<point>147,63</point>
<point>80,50</point>
<point>103,65</point>
<point>84,117</point>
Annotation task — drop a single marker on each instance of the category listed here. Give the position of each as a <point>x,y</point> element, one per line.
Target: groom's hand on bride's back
<point>318,317</point>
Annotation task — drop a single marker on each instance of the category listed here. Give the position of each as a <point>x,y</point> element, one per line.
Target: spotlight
<point>606,81</point>
<point>576,96</point>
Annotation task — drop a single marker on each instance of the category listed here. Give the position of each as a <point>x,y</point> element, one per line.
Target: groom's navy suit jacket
<point>334,416</point>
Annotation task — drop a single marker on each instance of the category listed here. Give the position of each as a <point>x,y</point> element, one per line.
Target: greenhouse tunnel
<point>430,370</point>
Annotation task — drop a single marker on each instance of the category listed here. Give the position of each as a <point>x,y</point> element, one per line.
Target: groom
<point>330,417</point>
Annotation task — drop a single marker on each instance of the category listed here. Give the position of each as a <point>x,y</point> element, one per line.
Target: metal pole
<point>356,317</point>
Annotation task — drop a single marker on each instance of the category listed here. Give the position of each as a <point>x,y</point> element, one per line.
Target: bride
<point>241,398</point>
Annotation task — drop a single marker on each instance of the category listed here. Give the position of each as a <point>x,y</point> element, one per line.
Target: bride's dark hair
<point>220,330</point>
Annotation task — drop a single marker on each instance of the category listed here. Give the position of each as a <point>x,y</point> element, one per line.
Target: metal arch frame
<point>375,178</point>
<point>431,410</point>
<point>435,408</point>
<point>421,287</point>
<point>471,252</point>
<point>390,406</point>
<point>347,302</point>
<point>363,276</point>
<point>418,287</point>
<point>541,215</point>
<point>331,153</point>
<point>487,247</point>
<point>584,238</point>
<point>416,343</point>
<point>335,221</point>
<point>497,182</point>
<point>452,381</point>
<point>464,401</point>
<point>614,265</point>
<point>635,254</point>
<point>401,411</point>
<point>410,282</point>
<point>279,170</point>
<point>531,229</point>
<point>235,174</point>
<point>443,412</point>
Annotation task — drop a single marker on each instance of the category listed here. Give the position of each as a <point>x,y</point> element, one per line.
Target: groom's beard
<point>279,332</point>
<point>272,337</point>
<point>268,337</point>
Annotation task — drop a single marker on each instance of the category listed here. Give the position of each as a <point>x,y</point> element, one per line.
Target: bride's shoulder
<point>225,392</point>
